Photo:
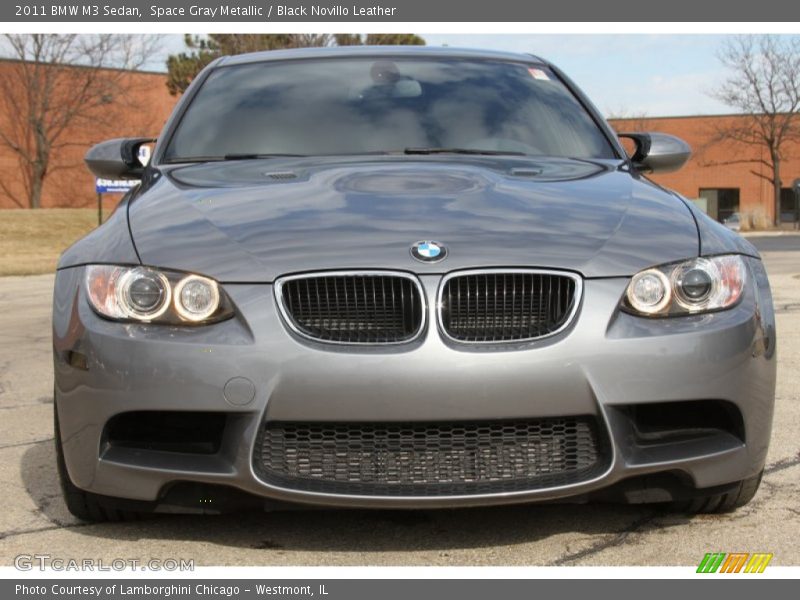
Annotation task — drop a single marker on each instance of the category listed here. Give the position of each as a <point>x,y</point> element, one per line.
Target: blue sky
<point>660,75</point>
<point>653,75</point>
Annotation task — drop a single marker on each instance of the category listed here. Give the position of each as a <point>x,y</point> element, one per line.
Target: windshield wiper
<point>254,155</point>
<point>250,156</point>
<point>462,151</point>
<point>242,156</point>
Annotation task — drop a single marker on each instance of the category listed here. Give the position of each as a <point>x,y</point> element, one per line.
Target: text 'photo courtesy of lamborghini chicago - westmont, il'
<point>405,278</point>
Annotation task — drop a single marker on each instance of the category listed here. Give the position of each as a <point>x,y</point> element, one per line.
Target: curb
<point>768,233</point>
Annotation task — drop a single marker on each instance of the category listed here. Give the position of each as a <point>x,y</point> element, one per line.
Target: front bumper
<point>602,364</point>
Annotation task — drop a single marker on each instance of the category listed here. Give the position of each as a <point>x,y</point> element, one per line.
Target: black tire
<point>742,493</point>
<point>87,506</point>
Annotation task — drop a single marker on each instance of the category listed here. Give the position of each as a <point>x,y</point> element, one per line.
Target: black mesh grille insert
<point>355,308</point>
<point>506,306</point>
<point>430,459</point>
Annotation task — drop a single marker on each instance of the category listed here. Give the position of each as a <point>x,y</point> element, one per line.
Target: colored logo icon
<point>734,562</point>
<point>427,251</point>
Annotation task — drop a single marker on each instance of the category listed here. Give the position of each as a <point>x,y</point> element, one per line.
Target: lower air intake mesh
<point>430,459</point>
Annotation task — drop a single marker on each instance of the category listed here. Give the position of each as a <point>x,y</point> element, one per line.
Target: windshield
<point>376,105</point>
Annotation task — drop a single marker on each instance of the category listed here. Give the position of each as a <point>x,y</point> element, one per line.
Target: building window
<point>721,203</point>
<point>789,205</point>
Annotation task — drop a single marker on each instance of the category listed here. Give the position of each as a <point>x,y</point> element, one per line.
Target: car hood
<point>252,221</point>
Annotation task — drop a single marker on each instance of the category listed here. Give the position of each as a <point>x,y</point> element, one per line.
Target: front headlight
<point>149,295</point>
<point>694,286</point>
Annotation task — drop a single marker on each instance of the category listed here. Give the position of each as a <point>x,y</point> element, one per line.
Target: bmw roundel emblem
<point>427,251</point>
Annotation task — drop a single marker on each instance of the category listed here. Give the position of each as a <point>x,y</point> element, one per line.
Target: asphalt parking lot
<point>35,520</point>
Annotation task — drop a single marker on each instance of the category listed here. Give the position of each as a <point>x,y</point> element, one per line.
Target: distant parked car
<point>733,222</point>
<point>395,277</point>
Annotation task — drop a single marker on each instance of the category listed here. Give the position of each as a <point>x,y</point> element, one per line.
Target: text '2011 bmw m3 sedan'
<point>400,278</point>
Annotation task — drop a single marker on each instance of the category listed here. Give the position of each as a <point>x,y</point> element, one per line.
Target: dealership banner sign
<point>114,186</point>
<point>322,11</point>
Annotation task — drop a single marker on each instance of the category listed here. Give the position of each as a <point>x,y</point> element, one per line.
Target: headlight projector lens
<point>143,293</point>
<point>146,293</point>
<point>695,285</point>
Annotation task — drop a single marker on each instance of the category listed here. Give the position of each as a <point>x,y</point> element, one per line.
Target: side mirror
<point>658,152</point>
<point>117,159</point>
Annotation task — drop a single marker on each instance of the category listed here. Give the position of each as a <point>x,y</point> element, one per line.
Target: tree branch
<point>58,82</point>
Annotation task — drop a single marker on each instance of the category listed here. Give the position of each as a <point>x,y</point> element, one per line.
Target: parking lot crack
<point>786,463</point>
<point>16,406</point>
<point>31,443</point>
<point>617,539</point>
<point>4,535</point>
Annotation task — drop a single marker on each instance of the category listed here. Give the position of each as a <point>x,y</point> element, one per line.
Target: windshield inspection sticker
<point>538,74</point>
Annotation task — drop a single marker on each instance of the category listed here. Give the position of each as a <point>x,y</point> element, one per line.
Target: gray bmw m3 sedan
<point>405,278</point>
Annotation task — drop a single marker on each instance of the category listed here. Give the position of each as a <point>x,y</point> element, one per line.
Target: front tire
<point>86,506</point>
<point>741,494</point>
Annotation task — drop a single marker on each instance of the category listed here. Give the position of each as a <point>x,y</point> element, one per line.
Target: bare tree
<point>633,120</point>
<point>764,85</point>
<point>54,84</point>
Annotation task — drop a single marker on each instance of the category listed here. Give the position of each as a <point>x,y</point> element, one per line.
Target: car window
<point>365,105</point>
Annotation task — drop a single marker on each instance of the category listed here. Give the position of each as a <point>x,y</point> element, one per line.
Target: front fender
<point>109,243</point>
<point>715,238</point>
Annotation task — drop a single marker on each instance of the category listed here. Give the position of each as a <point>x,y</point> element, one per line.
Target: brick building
<point>715,176</point>
<point>142,112</point>
<point>723,176</point>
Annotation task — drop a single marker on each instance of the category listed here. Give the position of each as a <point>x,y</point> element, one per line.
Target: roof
<point>349,51</point>
<point>684,117</point>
